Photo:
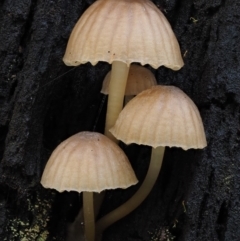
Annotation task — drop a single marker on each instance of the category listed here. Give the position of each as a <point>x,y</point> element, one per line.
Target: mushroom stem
<point>138,197</point>
<point>117,85</point>
<point>89,218</point>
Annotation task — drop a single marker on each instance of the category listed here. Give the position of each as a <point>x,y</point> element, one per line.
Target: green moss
<point>162,234</point>
<point>21,229</point>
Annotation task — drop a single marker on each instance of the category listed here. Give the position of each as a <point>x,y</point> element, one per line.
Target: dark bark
<point>42,102</point>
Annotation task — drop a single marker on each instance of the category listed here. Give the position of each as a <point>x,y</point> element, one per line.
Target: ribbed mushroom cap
<point>161,116</point>
<point>88,161</point>
<point>123,30</point>
<point>139,79</point>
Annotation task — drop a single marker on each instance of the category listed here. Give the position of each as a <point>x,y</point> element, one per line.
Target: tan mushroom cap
<point>161,116</point>
<point>123,30</point>
<point>139,79</point>
<point>88,161</point>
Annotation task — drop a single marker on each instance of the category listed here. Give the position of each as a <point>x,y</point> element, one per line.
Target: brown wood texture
<point>42,102</point>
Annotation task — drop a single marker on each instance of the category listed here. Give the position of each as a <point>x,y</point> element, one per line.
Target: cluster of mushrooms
<point>121,32</point>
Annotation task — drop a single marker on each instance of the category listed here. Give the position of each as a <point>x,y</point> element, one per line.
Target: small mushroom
<point>158,117</point>
<point>139,79</point>
<point>88,162</point>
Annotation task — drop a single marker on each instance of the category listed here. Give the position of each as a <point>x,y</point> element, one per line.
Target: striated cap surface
<point>161,116</point>
<point>139,79</point>
<point>88,161</point>
<point>123,30</point>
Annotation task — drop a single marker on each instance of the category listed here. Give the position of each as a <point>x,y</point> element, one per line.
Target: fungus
<point>158,117</point>
<point>88,162</point>
<point>112,31</point>
<point>139,79</point>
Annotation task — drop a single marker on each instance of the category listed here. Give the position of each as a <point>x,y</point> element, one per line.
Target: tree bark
<point>42,102</point>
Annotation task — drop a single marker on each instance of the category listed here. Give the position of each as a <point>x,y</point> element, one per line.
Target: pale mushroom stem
<point>88,216</point>
<point>138,197</point>
<point>117,85</point>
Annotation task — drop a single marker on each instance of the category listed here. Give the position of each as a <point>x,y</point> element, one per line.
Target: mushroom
<point>88,162</point>
<point>139,79</point>
<point>158,117</point>
<point>112,31</point>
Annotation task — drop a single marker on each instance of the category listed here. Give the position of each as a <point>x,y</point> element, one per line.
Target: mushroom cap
<point>88,161</point>
<point>139,79</point>
<point>161,116</point>
<point>123,30</point>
